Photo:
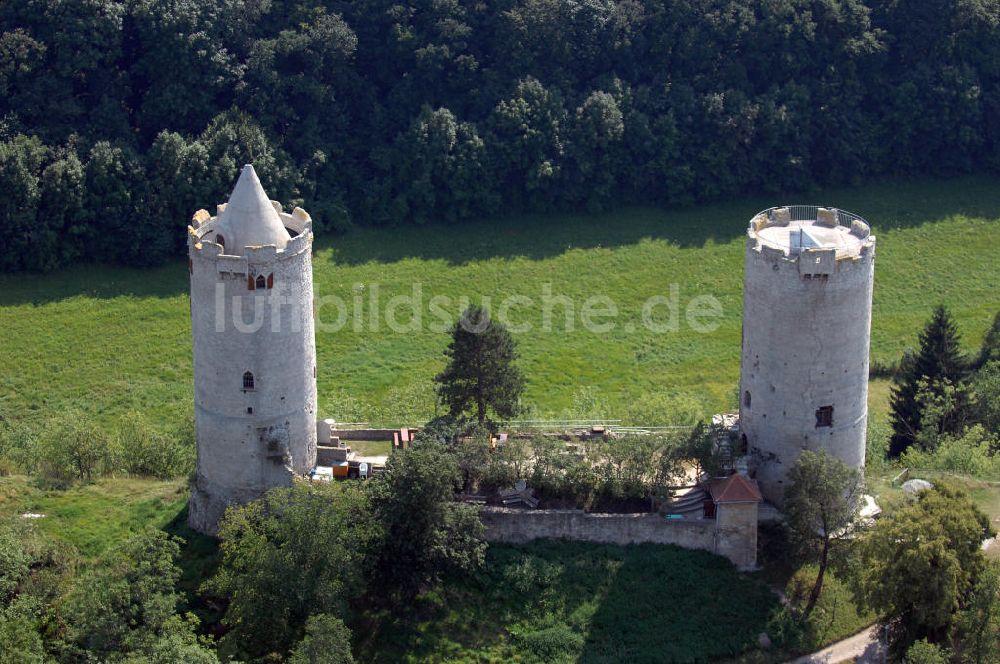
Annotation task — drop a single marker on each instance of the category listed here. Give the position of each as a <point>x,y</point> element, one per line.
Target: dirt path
<point>863,647</point>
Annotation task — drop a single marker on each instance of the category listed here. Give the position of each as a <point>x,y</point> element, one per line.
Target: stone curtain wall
<point>515,526</point>
<point>363,434</point>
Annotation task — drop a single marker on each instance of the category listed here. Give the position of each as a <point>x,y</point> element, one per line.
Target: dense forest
<point>119,119</point>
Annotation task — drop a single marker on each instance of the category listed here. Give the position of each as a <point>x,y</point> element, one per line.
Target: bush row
<point>70,448</point>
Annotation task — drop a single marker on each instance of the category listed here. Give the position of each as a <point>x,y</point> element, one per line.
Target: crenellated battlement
<point>203,233</point>
<point>817,235</point>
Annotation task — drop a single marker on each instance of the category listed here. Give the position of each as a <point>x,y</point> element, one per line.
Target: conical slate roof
<point>249,218</point>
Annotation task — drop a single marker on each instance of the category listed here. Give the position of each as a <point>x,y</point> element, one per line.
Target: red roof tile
<point>735,489</point>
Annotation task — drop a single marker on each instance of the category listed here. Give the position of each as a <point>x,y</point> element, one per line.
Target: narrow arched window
<point>220,240</point>
<point>261,282</point>
<point>746,398</point>
<point>248,381</point>
<point>250,282</point>
<point>270,281</point>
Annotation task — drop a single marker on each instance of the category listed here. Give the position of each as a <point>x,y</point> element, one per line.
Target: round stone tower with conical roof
<point>807,309</point>
<point>254,350</point>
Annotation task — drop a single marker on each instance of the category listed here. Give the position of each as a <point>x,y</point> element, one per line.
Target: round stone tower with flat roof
<point>807,304</point>
<point>254,350</point>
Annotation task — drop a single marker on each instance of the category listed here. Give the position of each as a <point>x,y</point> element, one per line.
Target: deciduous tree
<point>125,609</point>
<point>424,532</point>
<point>821,503</point>
<point>978,625</point>
<point>918,564</point>
<point>327,641</point>
<point>295,552</point>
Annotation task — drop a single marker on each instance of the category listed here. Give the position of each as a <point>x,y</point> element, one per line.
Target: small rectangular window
<point>824,416</point>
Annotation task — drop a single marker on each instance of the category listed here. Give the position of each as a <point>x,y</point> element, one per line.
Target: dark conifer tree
<point>990,350</point>
<point>940,358</point>
<point>481,376</point>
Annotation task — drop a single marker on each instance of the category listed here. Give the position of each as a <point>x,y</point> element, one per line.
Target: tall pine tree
<point>481,376</point>
<point>990,350</point>
<point>940,357</point>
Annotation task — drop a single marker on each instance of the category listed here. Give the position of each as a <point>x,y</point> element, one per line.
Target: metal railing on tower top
<point>810,212</point>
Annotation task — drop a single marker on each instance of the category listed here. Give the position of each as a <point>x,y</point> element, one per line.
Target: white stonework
<point>807,303</point>
<point>251,315</point>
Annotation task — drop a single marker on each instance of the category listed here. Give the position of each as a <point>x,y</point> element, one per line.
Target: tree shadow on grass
<point>516,606</point>
<point>886,205</point>
<point>668,604</point>
<point>559,601</point>
<point>198,561</point>
<point>94,281</point>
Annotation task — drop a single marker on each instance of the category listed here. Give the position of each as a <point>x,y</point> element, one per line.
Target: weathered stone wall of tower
<point>806,329</point>
<point>250,440</point>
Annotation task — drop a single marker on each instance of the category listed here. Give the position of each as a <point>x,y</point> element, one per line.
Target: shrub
<point>473,455</point>
<point>509,462</point>
<point>327,641</point>
<point>72,449</point>
<point>557,643</point>
<point>138,449</point>
<point>530,574</point>
<point>22,644</point>
<point>17,448</point>
<point>549,462</point>
<point>588,404</point>
<point>580,481</point>
<point>969,454</point>
<point>14,563</point>
<point>627,464</point>
<point>922,652</point>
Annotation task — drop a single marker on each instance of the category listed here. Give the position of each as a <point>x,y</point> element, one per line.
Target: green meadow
<point>105,340</point>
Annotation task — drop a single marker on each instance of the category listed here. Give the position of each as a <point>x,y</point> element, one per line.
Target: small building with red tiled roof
<point>736,488</point>
<point>733,503</point>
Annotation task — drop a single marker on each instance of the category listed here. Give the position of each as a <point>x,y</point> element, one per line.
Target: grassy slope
<point>108,339</point>
<point>93,517</point>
